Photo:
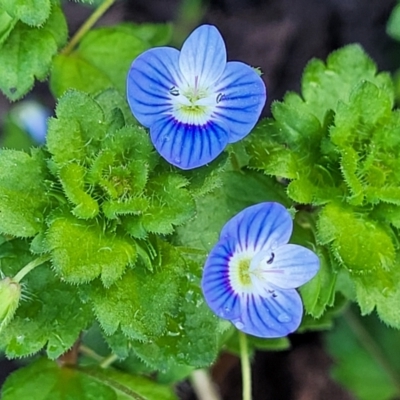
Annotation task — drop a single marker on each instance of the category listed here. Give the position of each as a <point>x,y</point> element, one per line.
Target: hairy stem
<point>203,386</point>
<point>104,362</point>
<point>372,347</point>
<point>108,361</point>
<point>88,352</point>
<point>87,26</point>
<point>29,267</point>
<point>246,371</point>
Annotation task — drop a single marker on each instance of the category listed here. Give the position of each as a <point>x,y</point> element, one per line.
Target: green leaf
<point>81,107</point>
<point>319,293</point>
<point>27,53</point>
<point>64,141</point>
<point>216,208</point>
<point>130,387</point>
<point>50,314</point>
<point>154,34</point>
<point>171,204</point>
<point>327,319</point>
<point>170,303</point>
<point>290,147</point>
<point>141,301</point>
<point>31,12</point>
<point>81,251</point>
<point>324,85</point>
<point>22,192</point>
<point>112,49</point>
<point>79,129</point>
<point>355,366</point>
<point>72,178</point>
<point>255,343</point>
<point>7,24</point>
<point>74,72</point>
<point>193,334</point>
<point>382,294</point>
<point>356,125</point>
<point>110,100</point>
<point>104,56</point>
<point>365,247</point>
<point>46,380</point>
<point>393,24</point>
<point>352,237</point>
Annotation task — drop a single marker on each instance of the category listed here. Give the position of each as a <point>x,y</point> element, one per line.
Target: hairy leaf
<point>82,251</point>
<point>27,53</point>
<point>31,12</point>
<point>22,192</point>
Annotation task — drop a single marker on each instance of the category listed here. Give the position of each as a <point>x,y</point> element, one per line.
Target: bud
<point>10,294</point>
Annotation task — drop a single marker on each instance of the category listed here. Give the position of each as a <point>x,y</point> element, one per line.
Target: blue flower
<point>194,101</point>
<point>251,274</point>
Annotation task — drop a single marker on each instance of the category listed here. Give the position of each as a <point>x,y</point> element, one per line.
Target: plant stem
<point>372,347</point>
<point>104,362</point>
<point>203,386</point>
<point>29,267</point>
<point>88,352</point>
<point>87,26</point>
<point>245,361</point>
<point>108,361</point>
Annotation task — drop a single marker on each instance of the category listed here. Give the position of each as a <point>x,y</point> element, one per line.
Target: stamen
<point>271,259</point>
<point>220,97</point>
<point>196,80</point>
<point>174,91</point>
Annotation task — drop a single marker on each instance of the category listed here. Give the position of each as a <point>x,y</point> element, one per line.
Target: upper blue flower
<point>251,274</point>
<point>194,101</point>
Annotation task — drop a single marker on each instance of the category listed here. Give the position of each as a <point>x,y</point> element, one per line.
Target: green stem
<point>372,347</point>
<point>87,26</point>
<point>203,386</point>
<point>108,361</point>
<point>245,361</point>
<point>29,267</point>
<point>88,352</point>
<point>104,362</point>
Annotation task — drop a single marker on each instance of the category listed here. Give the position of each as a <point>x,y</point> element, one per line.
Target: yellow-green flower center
<point>244,273</point>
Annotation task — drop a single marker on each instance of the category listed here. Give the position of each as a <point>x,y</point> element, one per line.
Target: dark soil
<point>280,37</point>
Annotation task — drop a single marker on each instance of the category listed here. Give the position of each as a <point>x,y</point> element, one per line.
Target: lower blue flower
<point>251,275</point>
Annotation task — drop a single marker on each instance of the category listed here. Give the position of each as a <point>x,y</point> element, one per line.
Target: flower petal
<point>242,96</point>
<point>203,57</point>
<point>188,146</point>
<point>292,266</point>
<point>270,317</point>
<point>215,284</point>
<point>259,227</point>
<point>150,79</point>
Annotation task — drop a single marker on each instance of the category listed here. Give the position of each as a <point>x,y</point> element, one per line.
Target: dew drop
<point>177,160</point>
<point>174,91</point>
<point>239,324</point>
<point>284,317</point>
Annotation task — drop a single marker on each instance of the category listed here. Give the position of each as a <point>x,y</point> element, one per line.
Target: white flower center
<point>248,272</point>
<point>194,104</point>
